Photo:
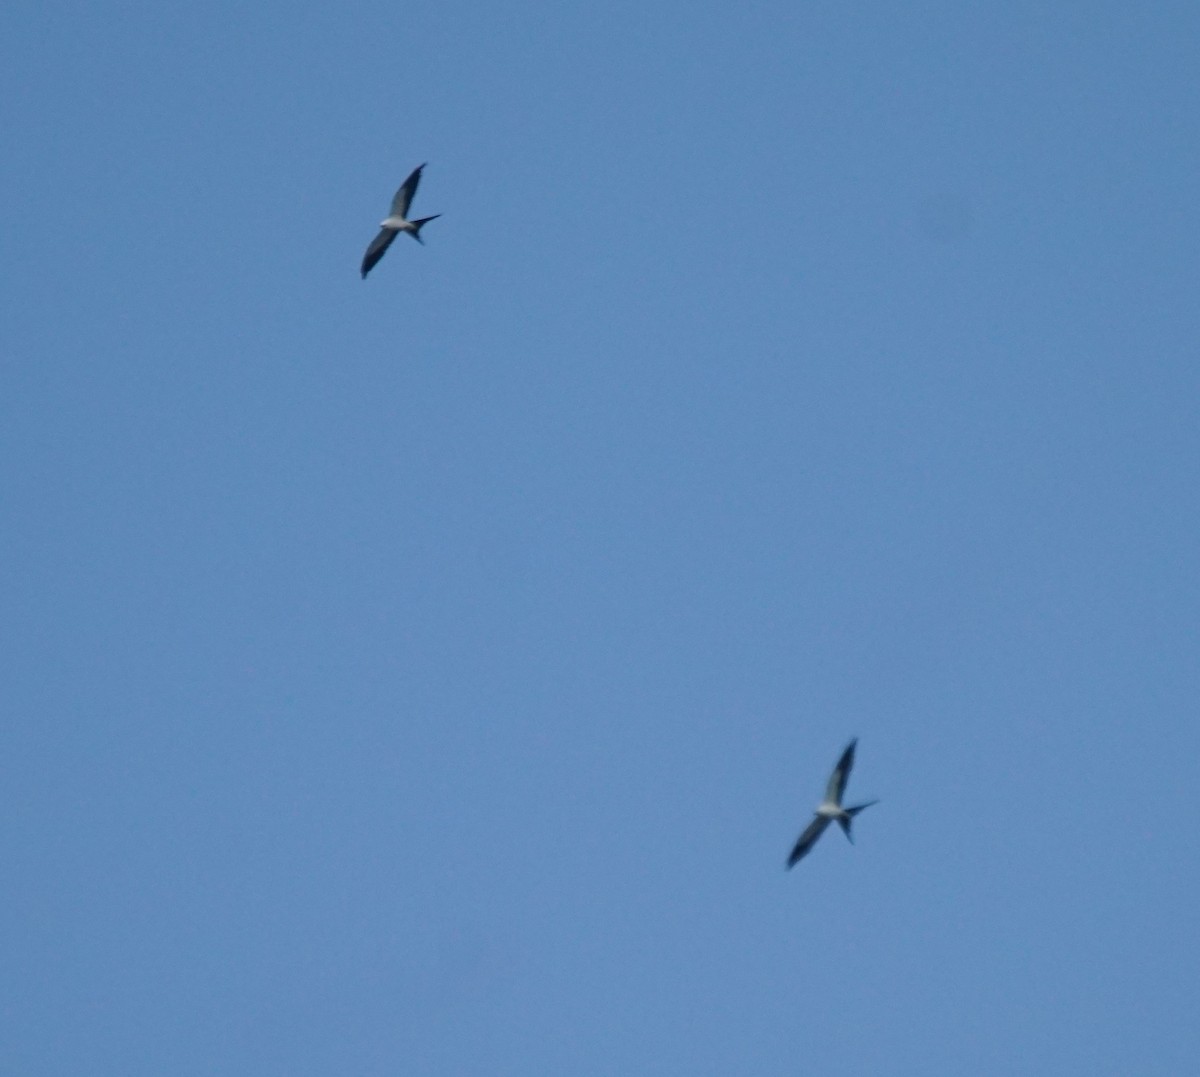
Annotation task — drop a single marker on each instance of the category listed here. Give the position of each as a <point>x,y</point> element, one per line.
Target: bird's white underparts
<point>831,810</point>
<point>396,222</point>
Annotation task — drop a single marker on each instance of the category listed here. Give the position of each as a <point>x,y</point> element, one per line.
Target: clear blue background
<point>430,675</point>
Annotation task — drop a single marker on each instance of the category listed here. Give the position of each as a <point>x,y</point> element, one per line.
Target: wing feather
<point>377,249</point>
<point>841,774</point>
<point>808,839</point>
<point>404,196</point>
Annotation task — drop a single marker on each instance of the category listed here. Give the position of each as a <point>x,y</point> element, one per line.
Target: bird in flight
<point>396,222</point>
<point>830,809</point>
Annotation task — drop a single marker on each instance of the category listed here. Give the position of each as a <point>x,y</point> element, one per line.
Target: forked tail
<point>845,822</point>
<point>416,232</point>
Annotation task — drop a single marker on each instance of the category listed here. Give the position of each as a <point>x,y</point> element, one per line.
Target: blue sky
<point>430,675</point>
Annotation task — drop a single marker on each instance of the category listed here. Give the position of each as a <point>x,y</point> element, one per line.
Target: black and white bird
<point>830,809</point>
<point>396,222</point>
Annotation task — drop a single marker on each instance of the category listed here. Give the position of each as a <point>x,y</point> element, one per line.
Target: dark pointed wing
<point>404,196</point>
<point>808,839</point>
<point>841,774</point>
<point>377,248</point>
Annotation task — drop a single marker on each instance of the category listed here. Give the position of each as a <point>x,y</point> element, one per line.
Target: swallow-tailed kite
<point>830,810</point>
<point>396,222</point>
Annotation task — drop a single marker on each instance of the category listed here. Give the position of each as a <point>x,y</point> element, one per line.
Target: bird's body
<point>830,810</point>
<point>396,222</point>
